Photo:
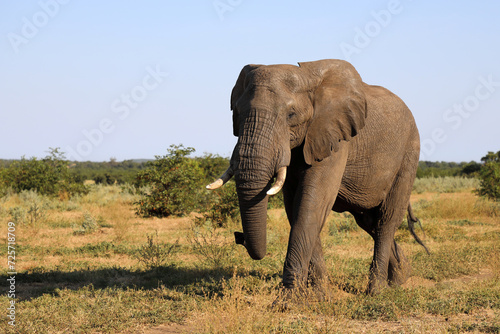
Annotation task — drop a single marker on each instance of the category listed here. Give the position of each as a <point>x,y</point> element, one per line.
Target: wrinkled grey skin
<point>348,146</point>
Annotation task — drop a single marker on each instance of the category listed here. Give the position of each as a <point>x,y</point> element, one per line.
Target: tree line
<point>173,184</point>
<point>112,171</point>
<point>442,169</point>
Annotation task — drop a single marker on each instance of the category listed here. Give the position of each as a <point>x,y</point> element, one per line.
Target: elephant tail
<point>412,219</point>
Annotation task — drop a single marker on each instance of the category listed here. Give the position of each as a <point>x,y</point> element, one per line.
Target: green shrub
<point>48,176</point>
<point>213,166</point>
<point>438,169</point>
<point>223,208</point>
<point>471,169</point>
<point>175,184</point>
<point>489,176</point>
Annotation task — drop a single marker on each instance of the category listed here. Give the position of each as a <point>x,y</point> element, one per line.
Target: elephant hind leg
<point>389,263</point>
<point>399,268</point>
<point>389,266</point>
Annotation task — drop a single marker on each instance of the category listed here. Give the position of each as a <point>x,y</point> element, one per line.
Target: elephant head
<point>278,108</point>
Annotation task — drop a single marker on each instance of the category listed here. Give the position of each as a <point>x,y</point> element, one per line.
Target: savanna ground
<point>90,265</point>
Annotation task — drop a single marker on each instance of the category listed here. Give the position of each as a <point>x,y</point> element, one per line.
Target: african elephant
<point>334,143</point>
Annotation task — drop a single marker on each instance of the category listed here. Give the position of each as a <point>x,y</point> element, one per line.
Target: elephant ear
<point>237,92</point>
<point>339,107</point>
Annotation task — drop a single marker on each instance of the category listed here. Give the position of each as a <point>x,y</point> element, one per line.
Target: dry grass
<point>94,283</point>
<point>455,206</point>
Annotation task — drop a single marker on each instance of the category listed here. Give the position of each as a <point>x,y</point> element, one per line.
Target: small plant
<point>32,211</point>
<point>128,189</point>
<point>210,245</point>
<point>88,225</point>
<point>18,215</point>
<point>154,254</point>
<point>36,212</point>
<point>36,206</point>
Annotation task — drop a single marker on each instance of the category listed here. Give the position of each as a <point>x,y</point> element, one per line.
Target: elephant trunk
<point>253,208</point>
<point>253,179</point>
<point>257,159</point>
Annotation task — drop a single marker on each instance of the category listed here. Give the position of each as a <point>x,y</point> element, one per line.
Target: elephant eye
<point>293,118</point>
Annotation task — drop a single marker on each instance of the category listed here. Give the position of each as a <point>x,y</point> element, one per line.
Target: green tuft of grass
<point>451,261</point>
<point>464,222</point>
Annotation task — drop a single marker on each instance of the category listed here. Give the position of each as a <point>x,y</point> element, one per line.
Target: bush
<point>213,166</point>
<point>489,176</point>
<point>175,184</point>
<point>49,176</point>
<point>223,209</point>
<point>471,169</point>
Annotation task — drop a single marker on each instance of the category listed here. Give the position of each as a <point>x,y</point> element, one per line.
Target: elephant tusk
<point>280,180</point>
<point>228,174</point>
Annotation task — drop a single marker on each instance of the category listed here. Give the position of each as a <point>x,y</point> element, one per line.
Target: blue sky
<point>127,79</point>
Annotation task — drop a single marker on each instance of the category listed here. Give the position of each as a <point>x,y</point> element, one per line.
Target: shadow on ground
<point>189,280</point>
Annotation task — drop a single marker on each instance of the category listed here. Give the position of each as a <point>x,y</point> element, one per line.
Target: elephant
<point>332,142</point>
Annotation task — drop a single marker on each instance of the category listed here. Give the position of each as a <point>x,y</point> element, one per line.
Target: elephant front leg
<point>304,271</point>
<point>317,268</point>
<point>317,275</point>
<point>312,274</point>
<point>298,259</point>
<point>314,196</point>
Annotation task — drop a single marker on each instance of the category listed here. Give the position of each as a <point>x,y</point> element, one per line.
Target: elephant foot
<point>399,275</point>
<point>376,286</point>
<point>399,267</point>
<point>374,290</point>
<point>396,277</point>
